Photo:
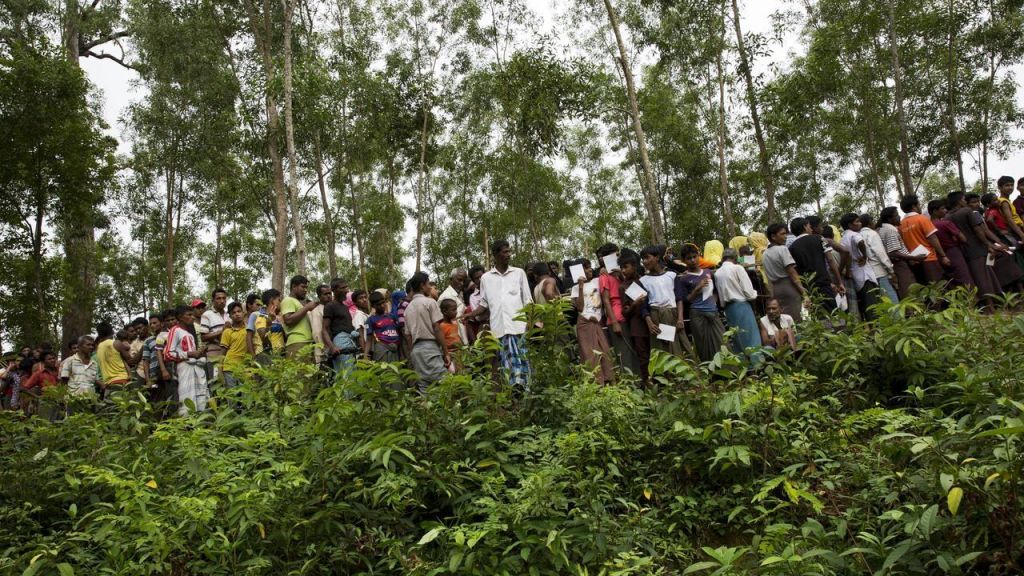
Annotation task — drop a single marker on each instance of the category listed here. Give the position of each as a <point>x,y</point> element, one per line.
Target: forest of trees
<point>283,136</point>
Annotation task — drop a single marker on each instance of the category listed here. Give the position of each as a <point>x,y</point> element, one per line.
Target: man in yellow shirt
<point>113,355</point>
<point>233,341</point>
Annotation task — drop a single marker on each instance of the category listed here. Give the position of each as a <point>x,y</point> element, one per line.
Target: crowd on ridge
<point>624,304</point>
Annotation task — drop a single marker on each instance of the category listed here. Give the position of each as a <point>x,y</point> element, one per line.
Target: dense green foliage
<point>893,450</point>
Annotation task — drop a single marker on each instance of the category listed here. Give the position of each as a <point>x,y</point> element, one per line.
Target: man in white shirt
<point>504,292</point>
<point>735,291</point>
<point>878,258</point>
<point>211,326</point>
<point>863,277</point>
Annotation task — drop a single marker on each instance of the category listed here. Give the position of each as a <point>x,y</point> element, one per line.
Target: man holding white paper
<point>918,234</point>
<point>696,287</point>
<point>610,283</point>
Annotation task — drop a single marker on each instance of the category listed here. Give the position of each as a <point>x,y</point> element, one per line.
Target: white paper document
<point>668,332</point>
<point>635,292</point>
<point>920,251</point>
<point>842,303</point>
<point>576,271</point>
<point>708,290</point>
<point>611,262</point>
<point>990,260</point>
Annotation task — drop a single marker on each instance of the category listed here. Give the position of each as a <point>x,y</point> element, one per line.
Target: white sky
<point>116,91</point>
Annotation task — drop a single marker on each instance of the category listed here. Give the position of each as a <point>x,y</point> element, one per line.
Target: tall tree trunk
<point>79,234</point>
<point>261,30</point>
<point>723,173</point>
<point>218,226</point>
<point>954,132</point>
<point>332,258</point>
<point>651,202</point>
<point>755,117</point>
<point>901,121</point>
<point>357,228</point>
<point>421,184</point>
<point>289,135</point>
<point>170,177</point>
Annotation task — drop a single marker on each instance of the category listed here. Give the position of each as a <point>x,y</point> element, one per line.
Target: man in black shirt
<point>810,252</point>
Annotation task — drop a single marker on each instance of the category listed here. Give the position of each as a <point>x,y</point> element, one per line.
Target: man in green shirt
<point>297,327</point>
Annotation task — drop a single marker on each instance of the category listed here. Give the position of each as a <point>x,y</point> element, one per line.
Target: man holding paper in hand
<point>610,283</point>
<point>918,234</point>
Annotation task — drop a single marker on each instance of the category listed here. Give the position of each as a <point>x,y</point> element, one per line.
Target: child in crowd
<point>381,331</point>
<point>635,311</point>
<point>695,288</point>
<point>233,341</point>
<point>451,330</point>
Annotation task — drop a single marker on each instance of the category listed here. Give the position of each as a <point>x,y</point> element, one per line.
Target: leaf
<point>700,566</point>
<point>151,484</point>
<point>1009,431</point>
<point>953,499</point>
<point>430,536</point>
<point>647,493</point>
<point>65,569</point>
<point>40,455</point>
<point>991,478</point>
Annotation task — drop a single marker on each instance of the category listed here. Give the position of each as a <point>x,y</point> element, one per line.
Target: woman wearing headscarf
<point>712,253</point>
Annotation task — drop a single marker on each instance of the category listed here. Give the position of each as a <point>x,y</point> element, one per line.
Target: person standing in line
<point>114,357</point>
<point>360,314</point>
<point>381,332</point>
<point>504,292</point>
<point>428,355</point>
<point>316,322</point>
<point>454,290</point>
<point>233,341</point>
<point>862,275</point>
<point>696,288</point>
<point>878,258</point>
<point>736,292</point>
<point>188,360</point>
<point>295,311</point>
<point>952,241</point>
<point>888,230</point>
<point>546,288</point>
<point>636,312</point>
<point>81,374</point>
<point>979,244</point>
<point>1008,210</point>
<point>918,233</point>
<point>780,270</point>
<point>610,283</point>
<point>810,252</point>
<point>211,326</point>
<point>338,332</point>
<point>594,350</point>
<point>661,301</point>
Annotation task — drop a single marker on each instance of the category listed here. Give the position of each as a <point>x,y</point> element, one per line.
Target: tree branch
<point>104,55</point>
<point>104,39</point>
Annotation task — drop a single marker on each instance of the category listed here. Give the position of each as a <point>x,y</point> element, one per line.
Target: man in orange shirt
<point>917,230</point>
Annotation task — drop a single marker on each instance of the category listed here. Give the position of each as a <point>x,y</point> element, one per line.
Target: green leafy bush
<point>890,450</point>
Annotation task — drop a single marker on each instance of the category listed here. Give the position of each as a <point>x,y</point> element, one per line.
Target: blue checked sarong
<point>513,360</point>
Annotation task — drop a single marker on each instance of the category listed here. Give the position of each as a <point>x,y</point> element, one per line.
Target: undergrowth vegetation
<point>888,450</point>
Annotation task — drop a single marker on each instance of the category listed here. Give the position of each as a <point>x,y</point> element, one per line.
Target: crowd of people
<point>750,296</point>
